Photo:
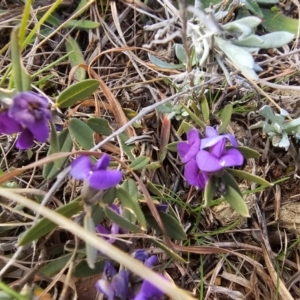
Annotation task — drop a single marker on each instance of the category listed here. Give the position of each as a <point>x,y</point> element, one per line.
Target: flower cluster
<point>116,285</point>
<point>28,115</point>
<point>207,156</point>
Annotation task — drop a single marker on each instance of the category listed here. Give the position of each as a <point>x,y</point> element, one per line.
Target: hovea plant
<point>208,166</point>
<point>277,127</point>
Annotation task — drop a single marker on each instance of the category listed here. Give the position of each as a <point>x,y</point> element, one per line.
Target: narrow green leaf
<point>247,152</point>
<point>233,195</point>
<point>131,204</point>
<point>77,92</point>
<point>123,223</point>
<point>253,7</point>
<point>168,251</point>
<point>21,78</point>
<point>205,108</point>
<point>277,21</point>
<point>65,145</point>
<point>126,148</point>
<point>139,163</point>
<point>180,53</point>
<point>225,117</point>
<point>162,64</point>
<point>100,125</point>
<point>184,128</point>
<point>91,252</point>
<point>130,186</point>
<point>249,177</point>
<point>173,228</point>
<point>209,191</point>
<point>153,165</point>
<point>194,117</point>
<point>54,142</point>
<point>55,266</point>
<point>44,226</point>
<point>82,133</point>
<point>172,146</point>
<point>82,270</point>
<point>153,189</point>
<point>82,24</point>
<point>110,196</point>
<point>76,58</point>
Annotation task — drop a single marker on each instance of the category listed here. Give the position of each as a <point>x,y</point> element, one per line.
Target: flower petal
<point>151,261</point>
<point>102,230</point>
<point>102,163</point>
<point>104,287</point>
<point>211,132</point>
<point>207,162</point>
<point>81,167</point>
<point>231,139</point>
<point>25,139</point>
<point>218,149</point>
<point>194,176</point>
<point>152,291</point>
<point>188,150</point>
<point>109,271</point>
<point>231,158</point>
<point>40,130</point>
<point>102,180</point>
<point>9,125</point>
<point>120,284</point>
<point>210,141</point>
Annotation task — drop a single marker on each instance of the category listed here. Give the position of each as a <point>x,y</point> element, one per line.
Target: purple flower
<point>112,284</point>
<point>31,112</point>
<point>9,125</point>
<point>217,157</point>
<point>148,291</point>
<point>115,229</point>
<point>188,150</point>
<point>194,175</point>
<point>97,176</point>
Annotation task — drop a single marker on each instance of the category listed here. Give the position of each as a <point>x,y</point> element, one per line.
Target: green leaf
<point>180,53</point>
<point>277,21</point>
<point>168,251</point>
<point>163,64</point>
<point>130,186</point>
<point>139,163</point>
<point>126,148</point>
<point>131,204</point>
<point>253,7</point>
<point>20,76</point>
<point>82,270</point>
<point>76,58</point>
<point>153,189</point>
<point>225,117</point>
<point>204,108</point>
<point>153,165</point>
<point>82,133</point>
<point>183,128</point>
<point>54,142</point>
<point>65,145</point>
<point>249,177</point>
<point>55,266</point>
<point>172,146</point>
<point>77,92</point>
<point>209,191</point>
<point>44,226</point>
<point>123,223</point>
<point>100,125</point>
<point>233,195</point>
<point>91,252</point>
<point>110,196</point>
<point>82,24</point>
<point>194,117</point>
<point>247,152</point>
<point>173,228</point>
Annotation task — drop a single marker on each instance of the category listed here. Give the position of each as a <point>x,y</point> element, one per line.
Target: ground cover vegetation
<point>149,150</point>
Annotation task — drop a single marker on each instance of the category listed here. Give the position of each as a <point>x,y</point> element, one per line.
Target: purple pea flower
<point>31,111</point>
<point>217,157</point>
<point>188,152</point>
<point>97,176</point>
<point>112,284</point>
<point>115,229</point>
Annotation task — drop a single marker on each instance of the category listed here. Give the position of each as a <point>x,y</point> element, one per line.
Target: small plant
<point>277,127</point>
